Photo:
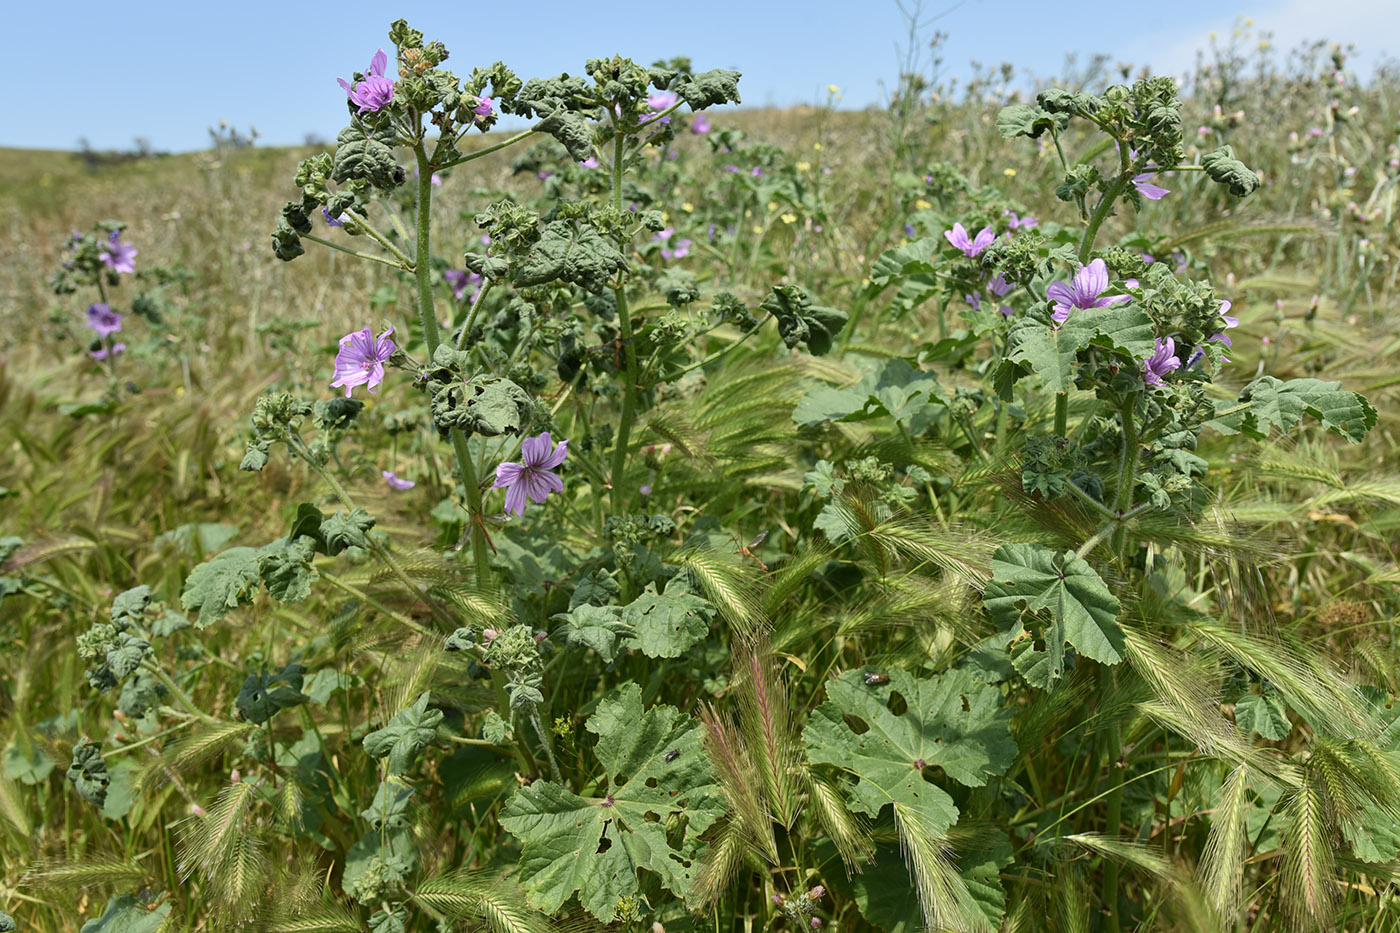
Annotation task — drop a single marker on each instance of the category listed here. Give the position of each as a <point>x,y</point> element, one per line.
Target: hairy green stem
<point>395,263</point>
<point>176,692</point>
<point>432,337</point>
<point>629,355</point>
<point>548,747</point>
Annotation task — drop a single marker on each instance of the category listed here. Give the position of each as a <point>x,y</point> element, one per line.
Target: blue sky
<point>167,71</point>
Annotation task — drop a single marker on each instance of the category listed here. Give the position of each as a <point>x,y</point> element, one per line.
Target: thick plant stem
<point>1062,414</point>
<point>1114,818</point>
<point>1127,472</point>
<point>427,315</point>
<point>629,357</point>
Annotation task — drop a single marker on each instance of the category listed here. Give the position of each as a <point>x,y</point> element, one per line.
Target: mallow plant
<point>722,639</point>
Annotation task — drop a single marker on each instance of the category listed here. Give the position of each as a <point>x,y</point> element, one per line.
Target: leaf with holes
<point>667,623</point>
<point>948,721</point>
<point>1031,583</point>
<point>656,774</point>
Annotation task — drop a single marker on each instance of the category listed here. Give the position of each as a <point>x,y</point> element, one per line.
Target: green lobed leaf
<point>666,624</point>
<point>655,772</point>
<point>1063,599</point>
<point>88,772</point>
<point>1265,714</point>
<point>802,321</point>
<point>1224,169</point>
<point>572,252</point>
<point>950,721</point>
<point>412,729</point>
<point>219,585</point>
<point>1051,351</point>
<point>264,695</point>
<point>286,568</point>
<point>596,627</point>
<point>898,390</point>
<point>1274,403</point>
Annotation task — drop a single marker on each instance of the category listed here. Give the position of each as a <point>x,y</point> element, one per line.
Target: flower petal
<point>556,458</point>
<point>378,63</point>
<point>1092,280</point>
<point>535,450</point>
<point>515,499</point>
<point>507,474</point>
<point>540,483</point>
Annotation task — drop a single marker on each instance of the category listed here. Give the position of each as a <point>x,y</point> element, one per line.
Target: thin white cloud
<point>1372,25</point>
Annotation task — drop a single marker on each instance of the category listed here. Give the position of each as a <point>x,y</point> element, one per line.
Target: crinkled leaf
<point>1051,352</point>
<point>286,568</point>
<point>88,772</point>
<point>364,158</point>
<point>140,694</point>
<point>126,655</point>
<point>913,258</point>
<point>802,321</point>
<point>7,923</point>
<point>1022,120</point>
<point>596,627</point>
<point>950,721</point>
<point>1265,714</point>
<point>129,607</point>
<point>572,252</point>
<point>255,457</point>
<point>597,588</point>
<point>1274,403</point>
<point>1372,833</point>
<point>1040,600</point>
<point>219,585</point>
<point>263,695</point>
<point>412,729</point>
<point>572,129</point>
<point>666,624</point>
<point>656,771</point>
<point>343,530</point>
<point>1224,169</point>
<point>708,88</point>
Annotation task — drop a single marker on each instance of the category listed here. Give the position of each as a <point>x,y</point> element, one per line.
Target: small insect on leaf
<point>875,679</point>
<point>672,755</point>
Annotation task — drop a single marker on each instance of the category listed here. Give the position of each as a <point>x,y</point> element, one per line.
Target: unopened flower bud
<point>817,893</point>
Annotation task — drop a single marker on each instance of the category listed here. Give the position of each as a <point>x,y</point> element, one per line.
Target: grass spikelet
<point>497,902</point>
<point>240,882</point>
<point>209,843</point>
<point>194,751</point>
<point>728,584</point>
<point>789,578</point>
<point>1071,900</point>
<point>947,904</point>
<point>1180,683</point>
<point>965,556</point>
<point>65,876</point>
<point>289,803</point>
<point>1308,882</point>
<point>846,830</point>
<point>416,675</point>
<point>741,780</point>
<point>1312,686</point>
<point>1133,855</point>
<point>1221,871</point>
<point>12,806</point>
<point>763,715</point>
<point>722,861</point>
<point>682,436</point>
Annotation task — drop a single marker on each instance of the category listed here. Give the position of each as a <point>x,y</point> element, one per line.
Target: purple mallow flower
<point>1148,190</point>
<point>669,250</point>
<point>1162,361</point>
<point>459,280</point>
<point>1001,288</point>
<point>360,360</point>
<point>332,221</point>
<point>118,255</point>
<point>700,125</point>
<point>657,102</point>
<point>1019,223</point>
<point>1085,292</point>
<point>532,477</point>
<point>590,162</point>
<point>395,482</point>
<point>104,352</point>
<point>103,319</point>
<point>1230,322</point>
<point>970,247</point>
<point>375,91</point>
